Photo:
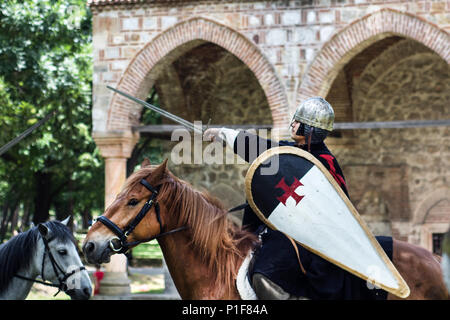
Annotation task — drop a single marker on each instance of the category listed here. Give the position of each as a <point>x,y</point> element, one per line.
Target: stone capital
<point>116,144</point>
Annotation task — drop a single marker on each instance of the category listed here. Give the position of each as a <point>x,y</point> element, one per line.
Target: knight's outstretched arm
<point>245,144</point>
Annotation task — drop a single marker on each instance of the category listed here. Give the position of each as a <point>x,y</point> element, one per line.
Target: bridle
<point>60,274</point>
<point>120,243</point>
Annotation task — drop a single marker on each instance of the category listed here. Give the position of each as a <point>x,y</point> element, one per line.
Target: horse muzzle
<point>80,294</point>
<point>96,252</point>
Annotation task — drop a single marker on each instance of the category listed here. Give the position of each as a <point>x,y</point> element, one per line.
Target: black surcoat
<point>276,258</point>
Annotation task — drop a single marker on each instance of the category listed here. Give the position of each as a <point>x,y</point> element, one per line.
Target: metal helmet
<point>316,112</point>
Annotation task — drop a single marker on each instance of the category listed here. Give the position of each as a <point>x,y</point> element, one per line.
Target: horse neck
<point>192,278</point>
<point>18,289</point>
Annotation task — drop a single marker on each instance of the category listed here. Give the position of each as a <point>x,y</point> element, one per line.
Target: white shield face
<point>310,207</point>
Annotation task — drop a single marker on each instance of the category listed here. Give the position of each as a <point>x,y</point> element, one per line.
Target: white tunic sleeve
<point>228,135</point>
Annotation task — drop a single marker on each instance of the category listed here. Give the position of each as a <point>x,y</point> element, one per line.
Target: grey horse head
<point>47,250</point>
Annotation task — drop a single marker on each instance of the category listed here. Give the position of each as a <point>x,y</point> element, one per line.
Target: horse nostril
<point>89,247</point>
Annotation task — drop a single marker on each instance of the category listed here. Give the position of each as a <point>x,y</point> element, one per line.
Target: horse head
<point>154,203</point>
<point>132,218</point>
<point>58,260</point>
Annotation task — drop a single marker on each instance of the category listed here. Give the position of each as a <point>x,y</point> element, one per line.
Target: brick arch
<point>438,195</point>
<point>424,227</point>
<point>360,34</point>
<point>172,43</point>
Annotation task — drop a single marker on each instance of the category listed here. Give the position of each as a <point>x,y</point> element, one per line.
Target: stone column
<point>115,148</point>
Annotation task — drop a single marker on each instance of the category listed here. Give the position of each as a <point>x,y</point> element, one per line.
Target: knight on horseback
<point>275,271</point>
<point>303,197</point>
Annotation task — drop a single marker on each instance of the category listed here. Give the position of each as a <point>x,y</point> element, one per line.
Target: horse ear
<point>159,172</point>
<point>164,164</point>
<point>44,231</point>
<point>145,163</point>
<point>66,221</point>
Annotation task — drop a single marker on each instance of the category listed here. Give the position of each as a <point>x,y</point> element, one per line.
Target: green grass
<point>141,283</point>
<point>155,291</point>
<point>41,292</point>
<point>149,250</point>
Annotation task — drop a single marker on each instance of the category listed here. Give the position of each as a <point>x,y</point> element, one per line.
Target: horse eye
<point>133,202</point>
<point>62,252</point>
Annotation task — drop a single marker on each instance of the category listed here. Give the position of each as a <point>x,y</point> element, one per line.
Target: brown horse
<point>204,258</point>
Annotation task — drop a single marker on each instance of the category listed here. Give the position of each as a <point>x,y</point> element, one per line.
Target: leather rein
<point>120,244</point>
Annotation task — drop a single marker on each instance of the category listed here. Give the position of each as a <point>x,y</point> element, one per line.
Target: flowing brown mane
<point>220,243</point>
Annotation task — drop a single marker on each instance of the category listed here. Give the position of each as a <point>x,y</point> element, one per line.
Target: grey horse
<point>47,250</point>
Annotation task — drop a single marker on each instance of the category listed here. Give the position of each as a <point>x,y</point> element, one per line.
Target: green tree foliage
<point>46,65</point>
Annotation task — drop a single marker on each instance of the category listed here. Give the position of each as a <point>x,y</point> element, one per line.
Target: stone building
<point>252,62</point>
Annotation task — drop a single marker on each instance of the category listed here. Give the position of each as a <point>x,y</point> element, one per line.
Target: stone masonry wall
<point>289,34</point>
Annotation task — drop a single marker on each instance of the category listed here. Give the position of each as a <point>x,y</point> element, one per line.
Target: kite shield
<point>302,200</point>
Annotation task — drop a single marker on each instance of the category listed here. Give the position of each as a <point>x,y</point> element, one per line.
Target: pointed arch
<point>360,34</point>
<point>143,69</point>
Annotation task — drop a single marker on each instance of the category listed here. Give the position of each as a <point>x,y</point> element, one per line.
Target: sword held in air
<point>24,134</point>
<point>164,113</point>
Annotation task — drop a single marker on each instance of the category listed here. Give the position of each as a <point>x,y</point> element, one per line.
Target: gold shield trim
<point>402,291</point>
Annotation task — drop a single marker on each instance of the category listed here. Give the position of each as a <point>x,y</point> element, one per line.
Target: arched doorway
<point>200,69</point>
<point>162,51</point>
<point>387,72</point>
<point>359,35</point>
<point>206,83</point>
<point>432,219</point>
<point>195,67</point>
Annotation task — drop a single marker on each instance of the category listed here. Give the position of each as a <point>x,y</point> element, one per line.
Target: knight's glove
<point>211,134</point>
<point>224,135</point>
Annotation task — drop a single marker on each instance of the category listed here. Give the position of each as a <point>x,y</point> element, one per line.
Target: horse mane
<point>221,244</point>
<point>17,253</point>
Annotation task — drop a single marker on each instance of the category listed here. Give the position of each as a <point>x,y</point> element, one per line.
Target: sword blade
<point>24,134</point>
<point>164,113</point>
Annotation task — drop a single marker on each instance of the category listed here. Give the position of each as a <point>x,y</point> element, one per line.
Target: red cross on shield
<point>289,191</point>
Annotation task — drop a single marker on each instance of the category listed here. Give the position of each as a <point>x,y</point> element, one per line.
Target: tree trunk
<point>64,210</point>
<point>8,218</point>
<point>4,222</point>
<point>86,217</point>
<point>43,198</point>
<point>25,217</point>
<point>15,218</point>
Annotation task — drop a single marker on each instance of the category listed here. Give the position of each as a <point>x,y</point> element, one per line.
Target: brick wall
<point>295,48</point>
